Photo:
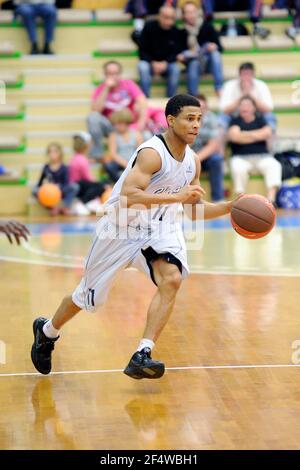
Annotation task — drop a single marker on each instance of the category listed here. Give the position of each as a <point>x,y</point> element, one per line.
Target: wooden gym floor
<point>230,347</point>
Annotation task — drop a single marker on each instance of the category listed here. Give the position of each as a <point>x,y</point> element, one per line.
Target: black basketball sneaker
<point>42,347</point>
<point>142,366</point>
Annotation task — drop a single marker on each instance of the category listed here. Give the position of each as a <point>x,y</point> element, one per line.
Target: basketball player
<point>12,228</point>
<point>162,174</point>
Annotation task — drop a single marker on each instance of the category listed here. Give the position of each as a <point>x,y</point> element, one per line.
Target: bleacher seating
<point>48,97</point>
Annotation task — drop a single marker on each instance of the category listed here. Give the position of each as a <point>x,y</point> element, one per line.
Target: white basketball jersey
<point>172,176</point>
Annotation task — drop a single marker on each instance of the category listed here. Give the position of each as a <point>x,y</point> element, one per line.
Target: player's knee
<point>171,282</point>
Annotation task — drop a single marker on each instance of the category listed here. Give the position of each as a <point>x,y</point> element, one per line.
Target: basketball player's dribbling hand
<point>15,229</point>
<point>191,194</point>
<point>233,201</point>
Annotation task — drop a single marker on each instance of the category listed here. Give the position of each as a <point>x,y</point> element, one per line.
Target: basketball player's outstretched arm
<point>203,209</point>
<point>12,228</point>
<point>133,193</point>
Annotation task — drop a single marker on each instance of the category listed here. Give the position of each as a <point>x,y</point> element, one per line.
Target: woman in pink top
<point>79,170</point>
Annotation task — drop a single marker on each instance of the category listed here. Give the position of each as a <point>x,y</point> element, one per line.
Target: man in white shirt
<point>246,85</point>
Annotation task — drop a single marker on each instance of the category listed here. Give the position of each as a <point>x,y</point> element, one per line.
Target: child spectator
<point>56,172</point>
<point>122,143</point>
<point>80,173</point>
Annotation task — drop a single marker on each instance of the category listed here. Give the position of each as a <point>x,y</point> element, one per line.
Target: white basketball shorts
<point>109,254</point>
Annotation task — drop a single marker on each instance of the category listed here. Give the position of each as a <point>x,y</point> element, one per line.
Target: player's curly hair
<point>177,102</point>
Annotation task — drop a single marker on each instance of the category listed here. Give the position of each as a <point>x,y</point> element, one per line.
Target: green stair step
<point>20,116</point>
<point>20,148</point>
<point>13,55</point>
<point>20,182</point>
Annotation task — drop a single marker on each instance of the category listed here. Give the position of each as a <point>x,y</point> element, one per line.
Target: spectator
<point>89,190</point>
<point>56,172</point>
<point>122,143</point>
<point>253,6</point>
<point>248,135</point>
<point>115,94</point>
<point>207,147</point>
<point>245,85</point>
<point>294,9</point>
<point>7,173</point>
<point>202,49</point>
<point>139,9</point>
<point>29,10</point>
<point>159,47</point>
<point>293,6</point>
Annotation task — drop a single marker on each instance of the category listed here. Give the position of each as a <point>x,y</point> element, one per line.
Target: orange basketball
<point>253,216</point>
<point>106,195</point>
<point>49,195</point>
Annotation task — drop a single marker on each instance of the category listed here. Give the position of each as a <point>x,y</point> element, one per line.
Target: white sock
<point>146,343</point>
<point>49,330</point>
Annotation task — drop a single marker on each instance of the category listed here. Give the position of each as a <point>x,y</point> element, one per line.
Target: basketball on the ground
<point>253,216</point>
<point>49,195</point>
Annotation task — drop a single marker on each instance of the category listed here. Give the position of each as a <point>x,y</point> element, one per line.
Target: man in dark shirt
<point>159,47</point>
<point>248,135</point>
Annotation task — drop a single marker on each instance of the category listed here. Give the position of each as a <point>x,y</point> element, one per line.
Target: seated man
<point>248,135</point>
<point>139,9</point>
<point>207,147</point>
<point>202,49</point>
<point>115,94</point>
<point>253,6</point>
<point>159,47</point>
<point>29,10</point>
<point>233,90</point>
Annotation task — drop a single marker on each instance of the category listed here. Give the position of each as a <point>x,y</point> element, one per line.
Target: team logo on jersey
<point>168,190</point>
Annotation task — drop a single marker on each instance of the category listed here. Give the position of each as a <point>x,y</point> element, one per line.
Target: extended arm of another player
<point>133,192</point>
<point>13,229</point>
